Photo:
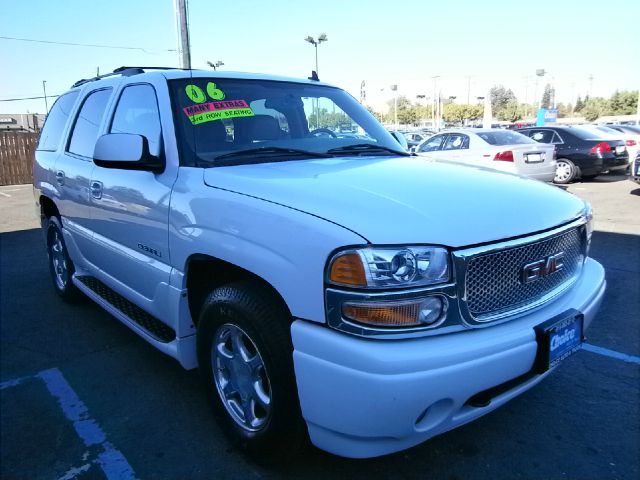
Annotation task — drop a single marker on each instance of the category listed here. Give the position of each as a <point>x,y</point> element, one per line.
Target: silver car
<point>493,148</point>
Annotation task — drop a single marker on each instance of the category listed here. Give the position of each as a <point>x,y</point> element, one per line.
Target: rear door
<point>129,208</point>
<point>73,171</point>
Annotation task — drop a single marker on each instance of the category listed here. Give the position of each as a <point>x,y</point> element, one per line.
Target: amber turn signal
<point>347,269</point>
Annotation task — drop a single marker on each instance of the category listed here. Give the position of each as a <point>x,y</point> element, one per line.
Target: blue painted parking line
<point>109,459</point>
<point>611,353</point>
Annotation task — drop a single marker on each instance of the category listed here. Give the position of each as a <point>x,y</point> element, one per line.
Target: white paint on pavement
<point>112,462</point>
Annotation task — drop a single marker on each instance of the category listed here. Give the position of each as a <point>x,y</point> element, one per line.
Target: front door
<point>130,209</point>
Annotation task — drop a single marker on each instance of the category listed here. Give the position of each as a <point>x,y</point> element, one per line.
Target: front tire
<point>245,357</point>
<point>60,265</point>
<point>565,171</point>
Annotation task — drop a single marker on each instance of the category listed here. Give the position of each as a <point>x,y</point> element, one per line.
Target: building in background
<point>24,122</point>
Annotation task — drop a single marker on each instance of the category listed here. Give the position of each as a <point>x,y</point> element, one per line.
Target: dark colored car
<point>635,169</point>
<point>580,152</point>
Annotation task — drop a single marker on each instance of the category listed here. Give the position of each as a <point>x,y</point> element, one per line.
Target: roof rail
<point>125,71</point>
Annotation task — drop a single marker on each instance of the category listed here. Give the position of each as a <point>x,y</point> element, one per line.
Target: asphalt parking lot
<point>84,397</point>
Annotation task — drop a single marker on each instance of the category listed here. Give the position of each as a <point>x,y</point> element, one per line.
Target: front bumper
<point>364,398</point>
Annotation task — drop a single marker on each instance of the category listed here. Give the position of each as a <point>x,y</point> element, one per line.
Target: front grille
<point>494,283</point>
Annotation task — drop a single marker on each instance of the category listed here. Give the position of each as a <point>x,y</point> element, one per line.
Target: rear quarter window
<point>57,118</point>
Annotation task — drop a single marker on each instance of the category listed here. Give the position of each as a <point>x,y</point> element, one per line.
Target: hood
<point>408,199</point>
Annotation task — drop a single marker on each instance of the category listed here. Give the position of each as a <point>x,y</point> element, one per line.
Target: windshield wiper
<point>364,148</point>
<point>265,154</point>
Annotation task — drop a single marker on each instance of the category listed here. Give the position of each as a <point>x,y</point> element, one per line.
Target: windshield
<point>223,121</point>
<point>504,138</point>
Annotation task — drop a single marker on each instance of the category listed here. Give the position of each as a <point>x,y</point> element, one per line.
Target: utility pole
<point>468,89</point>
<point>590,85</point>
<point>184,50</point>
<point>44,89</point>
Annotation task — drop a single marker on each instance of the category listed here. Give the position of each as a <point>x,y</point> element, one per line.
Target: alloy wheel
<point>241,378</point>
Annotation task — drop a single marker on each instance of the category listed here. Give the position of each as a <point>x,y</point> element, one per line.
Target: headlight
<point>390,267</point>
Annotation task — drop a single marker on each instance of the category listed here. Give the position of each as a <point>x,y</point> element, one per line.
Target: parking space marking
<point>611,353</point>
<point>5,194</point>
<point>110,460</point>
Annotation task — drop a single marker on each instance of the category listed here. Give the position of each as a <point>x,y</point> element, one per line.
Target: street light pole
<point>433,104</point>
<point>539,73</point>
<point>321,38</point>
<point>44,89</point>
<point>216,65</point>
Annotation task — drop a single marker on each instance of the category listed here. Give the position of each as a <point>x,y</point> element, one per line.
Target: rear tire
<point>60,265</point>
<point>565,171</point>
<point>245,356</point>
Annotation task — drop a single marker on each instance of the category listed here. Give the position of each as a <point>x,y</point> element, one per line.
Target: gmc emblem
<point>541,268</point>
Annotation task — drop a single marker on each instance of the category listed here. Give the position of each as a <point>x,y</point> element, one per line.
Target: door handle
<point>96,189</point>
<point>60,177</point>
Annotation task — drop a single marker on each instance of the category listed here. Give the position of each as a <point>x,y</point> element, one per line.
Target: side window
<point>456,142</point>
<point>137,112</point>
<point>56,120</point>
<point>85,131</point>
<point>542,136</point>
<point>433,144</point>
<point>556,138</point>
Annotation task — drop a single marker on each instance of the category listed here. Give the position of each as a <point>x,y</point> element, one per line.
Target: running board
<point>151,325</point>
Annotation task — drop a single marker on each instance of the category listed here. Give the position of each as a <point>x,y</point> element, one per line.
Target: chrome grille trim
<point>511,298</point>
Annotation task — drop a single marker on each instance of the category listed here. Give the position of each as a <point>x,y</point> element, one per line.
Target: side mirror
<point>401,139</point>
<point>126,151</point>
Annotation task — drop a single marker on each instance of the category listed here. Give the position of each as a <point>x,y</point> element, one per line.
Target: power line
<point>85,44</point>
<point>26,98</point>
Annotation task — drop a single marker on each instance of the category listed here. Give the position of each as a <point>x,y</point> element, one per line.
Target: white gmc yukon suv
<point>327,284</point>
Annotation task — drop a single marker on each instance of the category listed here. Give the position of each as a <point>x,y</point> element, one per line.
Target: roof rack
<point>125,71</point>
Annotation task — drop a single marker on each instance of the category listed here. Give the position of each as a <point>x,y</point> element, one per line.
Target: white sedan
<point>493,148</point>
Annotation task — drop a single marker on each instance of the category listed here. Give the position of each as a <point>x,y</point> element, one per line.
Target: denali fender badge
<point>541,268</point>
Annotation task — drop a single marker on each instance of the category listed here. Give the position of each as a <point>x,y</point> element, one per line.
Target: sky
<point>469,45</point>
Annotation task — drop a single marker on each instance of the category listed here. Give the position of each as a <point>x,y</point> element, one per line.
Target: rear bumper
<point>363,398</point>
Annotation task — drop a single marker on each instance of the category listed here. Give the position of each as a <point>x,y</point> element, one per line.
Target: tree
<point>591,112</point>
<point>324,119</point>
<point>623,103</point>
<point>501,97</point>
<point>579,105</point>
<point>510,112</point>
<point>547,96</point>
<point>379,116</point>
<point>564,110</point>
<point>458,113</point>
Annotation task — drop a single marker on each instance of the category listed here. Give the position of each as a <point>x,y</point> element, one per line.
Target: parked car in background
<point>415,138</point>
<point>580,152</point>
<point>635,169</point>
<point>493,148</point>
<point>631,140</point>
